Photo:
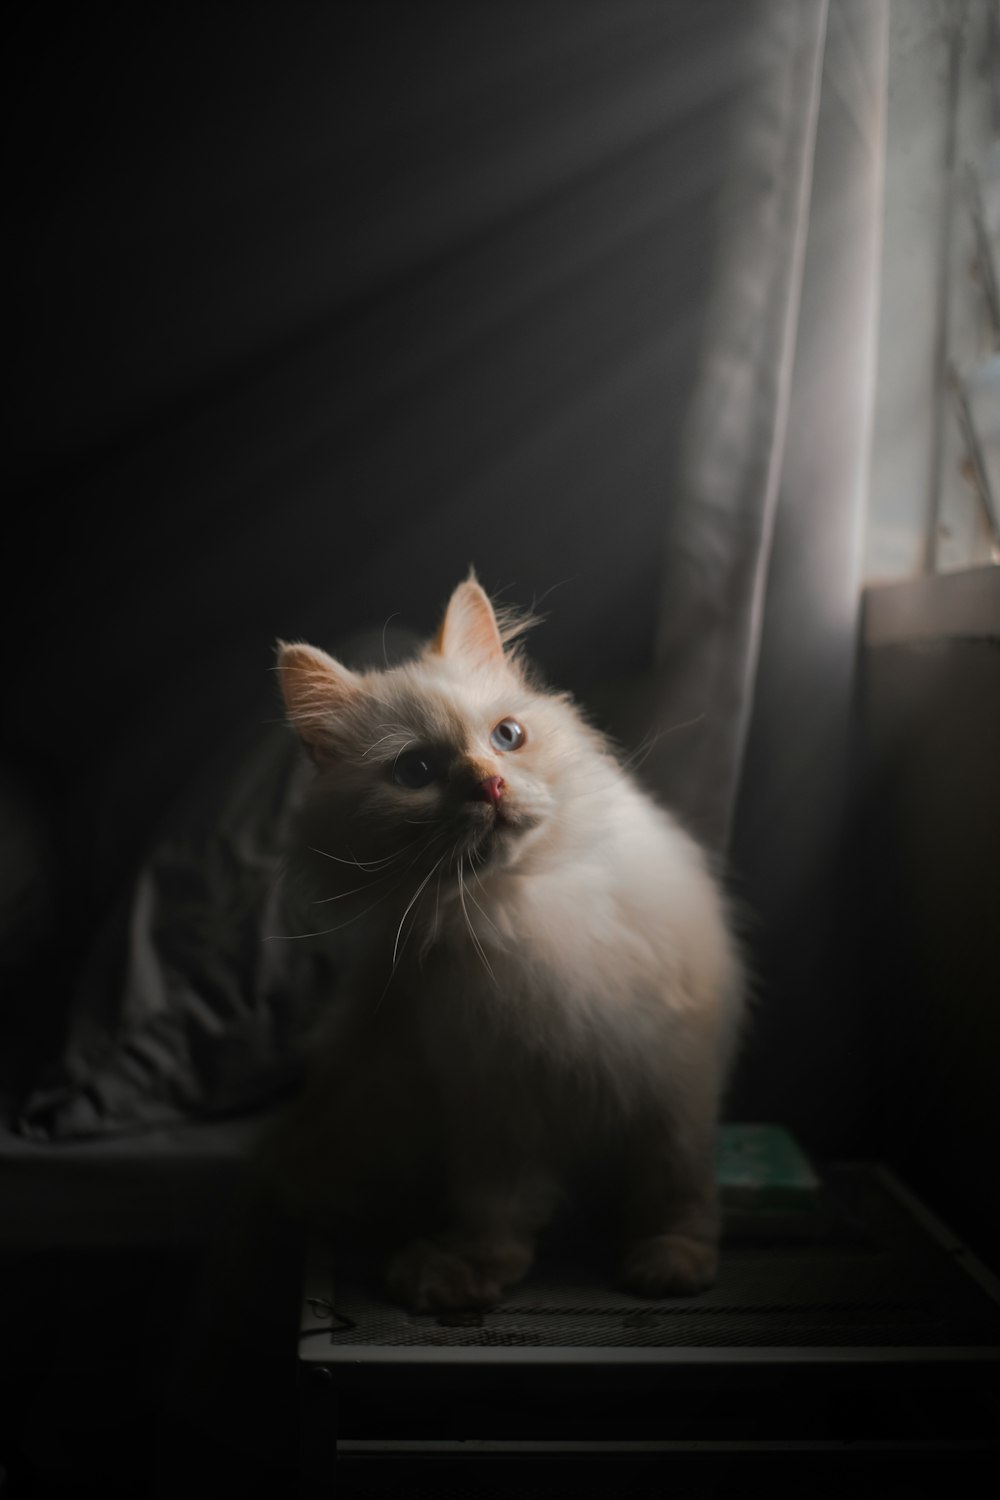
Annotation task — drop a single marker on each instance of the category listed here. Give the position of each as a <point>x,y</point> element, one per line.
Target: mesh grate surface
<point>662,1325</point>
<point>891,1287</point>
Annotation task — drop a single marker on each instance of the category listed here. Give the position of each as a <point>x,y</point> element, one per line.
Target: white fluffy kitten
<point>543,994</point>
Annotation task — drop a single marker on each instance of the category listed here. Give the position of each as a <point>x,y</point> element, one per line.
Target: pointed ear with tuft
<point>316,688</point>
<point>469,629</point>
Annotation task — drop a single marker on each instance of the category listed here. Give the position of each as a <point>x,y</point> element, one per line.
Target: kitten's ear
<point>315,688</point>
<point>469,628</point>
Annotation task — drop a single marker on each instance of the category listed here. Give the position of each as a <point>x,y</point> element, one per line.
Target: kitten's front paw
<point>670,1265</point>
<point>426,1277</point>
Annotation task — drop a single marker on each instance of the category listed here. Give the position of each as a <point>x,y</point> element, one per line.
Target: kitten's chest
<point>555,1005</point>
<point>583,936</point>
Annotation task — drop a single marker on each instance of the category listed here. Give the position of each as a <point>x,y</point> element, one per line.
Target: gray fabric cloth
<point>197,1001</point>
<point>189,1006</point>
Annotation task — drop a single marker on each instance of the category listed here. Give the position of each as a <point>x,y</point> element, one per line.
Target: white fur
<point>566,973</point>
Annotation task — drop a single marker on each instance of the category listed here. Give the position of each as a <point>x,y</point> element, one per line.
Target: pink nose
<point>492,788</point>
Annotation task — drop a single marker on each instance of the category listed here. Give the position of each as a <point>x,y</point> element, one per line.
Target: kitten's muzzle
<point>491,789</point>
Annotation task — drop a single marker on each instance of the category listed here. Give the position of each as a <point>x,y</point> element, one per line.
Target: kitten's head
<point>452,757</point>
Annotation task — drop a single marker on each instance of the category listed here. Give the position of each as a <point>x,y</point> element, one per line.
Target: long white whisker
<point>468,922</point>
<point>406,913</point>
<point>476,858</point>
<point>437,906</point>
<point>485,916</point>
<point>342,895</point>
<point>378,742</point>
<point>427,844</point>
<point>361,864</point>
<point>293,937</point>
<point>405,746</point>
<point>646,746</point>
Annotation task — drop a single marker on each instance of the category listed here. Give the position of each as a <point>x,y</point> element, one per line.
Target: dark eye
<point>508,735</point>
<point>416,768</point>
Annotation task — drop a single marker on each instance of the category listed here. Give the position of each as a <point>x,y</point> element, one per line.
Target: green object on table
<point>762,1168</point>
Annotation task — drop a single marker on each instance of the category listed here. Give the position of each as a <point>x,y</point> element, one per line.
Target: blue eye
<point>508,735</point>
<point>418,768</point>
